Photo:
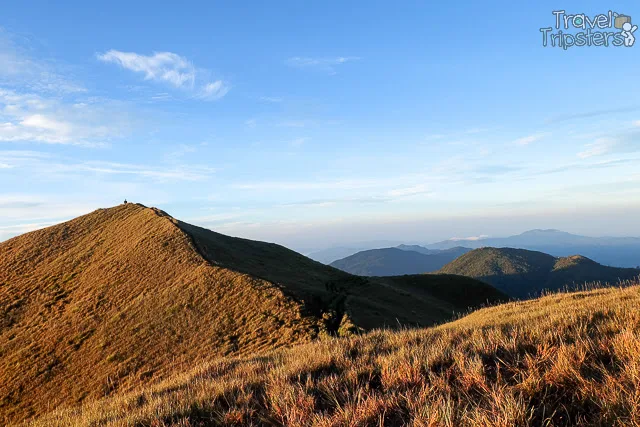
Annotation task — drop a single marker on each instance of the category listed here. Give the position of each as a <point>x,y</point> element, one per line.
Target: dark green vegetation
<point>397,261</point>
<point>112,300</point>
<point>521,273</point>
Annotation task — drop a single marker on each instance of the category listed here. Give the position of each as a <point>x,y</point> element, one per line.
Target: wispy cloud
<point>526,140</point>
<point>598,148</point>
<point>214,90</point>
<point>30,117</point>
<point>410,191</point>
<point>49,166</point>
<point>327,65</point>
<point>591,114</point>
<point>169,68</point>
<point>623,142</point>
<point>19,70</point>
<point>271,99</point>
<point>469,239</point>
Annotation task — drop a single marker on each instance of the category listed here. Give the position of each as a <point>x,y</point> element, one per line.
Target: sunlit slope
<point>561,360</point>
<point>128,295</point>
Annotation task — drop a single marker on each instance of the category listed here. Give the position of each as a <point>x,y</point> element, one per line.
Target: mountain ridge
<point>397,261</point>
<point>125,295</point>
<point>522,273</point>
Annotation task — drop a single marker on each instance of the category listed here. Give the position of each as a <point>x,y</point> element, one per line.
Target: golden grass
<point>563,359</point>
<point>113,300</point>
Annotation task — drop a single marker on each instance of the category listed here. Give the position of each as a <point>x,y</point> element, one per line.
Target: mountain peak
<point>128,294</point>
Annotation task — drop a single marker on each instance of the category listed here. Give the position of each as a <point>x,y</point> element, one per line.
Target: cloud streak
<point>327,65</point>
<point>526,140</point>
<point>168,68</point>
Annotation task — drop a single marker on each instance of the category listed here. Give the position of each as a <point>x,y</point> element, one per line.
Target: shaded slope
<point>396,261</point>
<point>561,360</point>
<point>125,295</point>
<point>521,273</point>
<point>330,293</point>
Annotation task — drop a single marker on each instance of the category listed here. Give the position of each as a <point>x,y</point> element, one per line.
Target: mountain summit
<point>126,295</point>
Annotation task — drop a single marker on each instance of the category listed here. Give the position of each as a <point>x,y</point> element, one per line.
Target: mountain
<point>396,261</point>
<point>127,295</point>
<point>420,249</point>
<point>328,255</point>
<point>522,273</point>
<point>562,360</point>
<point>613,251</point>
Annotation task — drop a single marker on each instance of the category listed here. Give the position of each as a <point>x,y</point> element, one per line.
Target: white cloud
<point>161,66</point>
<point>29,117</point>
<point>215,90</point>
<point>251,123</point>
<point>327,65</point>
<point>409,191</point>
<point>526,140</point>
<point>637,123</point>
<point>169,68</point>
<point>469,239</point>
<point>598,148</point>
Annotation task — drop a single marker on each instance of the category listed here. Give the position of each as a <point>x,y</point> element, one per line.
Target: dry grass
<point>564,359</point>
<point>126,296</point>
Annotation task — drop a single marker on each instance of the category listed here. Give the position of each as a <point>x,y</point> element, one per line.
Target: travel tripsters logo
<point>579,30</point>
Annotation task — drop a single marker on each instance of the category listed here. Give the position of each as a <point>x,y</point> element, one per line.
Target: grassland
<point>125,296</point>
<point>563,359</point>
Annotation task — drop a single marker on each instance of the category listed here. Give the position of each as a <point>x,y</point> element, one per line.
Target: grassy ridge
<point>127,295</point>
<point>522,273</point>
<point>564,359</point>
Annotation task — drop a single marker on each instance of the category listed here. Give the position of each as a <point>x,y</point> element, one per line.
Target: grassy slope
<point>561,360</point>
<point>123,296</point>
<point>521,273</point>
<point>118,297</point>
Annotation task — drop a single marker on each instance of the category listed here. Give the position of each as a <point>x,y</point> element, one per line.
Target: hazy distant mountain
<point>521,273</point>
<point>396,261</point>
<point>613,251</point>
<point>420,249</point>
<point>328,255</point>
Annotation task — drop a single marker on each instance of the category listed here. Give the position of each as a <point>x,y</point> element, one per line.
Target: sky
<point>314,124</point>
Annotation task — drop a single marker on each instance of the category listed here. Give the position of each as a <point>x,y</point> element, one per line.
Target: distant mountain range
<point>521,273</point>
<point>398,261</point>
<point>612,251</point>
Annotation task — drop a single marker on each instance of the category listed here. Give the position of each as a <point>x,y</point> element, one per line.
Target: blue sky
<point>318,123</point>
